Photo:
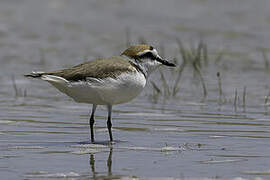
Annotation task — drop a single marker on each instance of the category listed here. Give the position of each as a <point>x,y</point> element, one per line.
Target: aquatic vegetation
<point>266,99</point>
<point>19,92</point>
<point>265,58</point>
<point>220,92</point>
<point>195,57</point>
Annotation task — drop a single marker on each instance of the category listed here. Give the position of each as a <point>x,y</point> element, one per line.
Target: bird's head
<point>146,56</point>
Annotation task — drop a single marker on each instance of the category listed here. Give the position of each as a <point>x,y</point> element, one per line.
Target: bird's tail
<point>35,74</point>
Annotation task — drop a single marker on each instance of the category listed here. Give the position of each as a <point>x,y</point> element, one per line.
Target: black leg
<point>91,123</point>
<point>109,123</point>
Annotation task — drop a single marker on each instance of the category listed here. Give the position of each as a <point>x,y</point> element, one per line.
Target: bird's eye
<point>147,55</point>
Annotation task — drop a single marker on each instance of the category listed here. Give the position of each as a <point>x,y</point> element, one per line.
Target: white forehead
<point>154,51</point>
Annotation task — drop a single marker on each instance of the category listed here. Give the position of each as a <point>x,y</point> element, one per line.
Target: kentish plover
<point>106,81</point>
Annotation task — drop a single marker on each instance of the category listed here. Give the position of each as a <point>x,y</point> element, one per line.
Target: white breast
<point>123,89</point>
<point>103,91</point>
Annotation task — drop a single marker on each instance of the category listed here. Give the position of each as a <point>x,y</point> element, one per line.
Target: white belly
<point>102,91</point>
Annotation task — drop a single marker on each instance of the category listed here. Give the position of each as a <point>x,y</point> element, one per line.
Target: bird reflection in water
<point>109,167</point>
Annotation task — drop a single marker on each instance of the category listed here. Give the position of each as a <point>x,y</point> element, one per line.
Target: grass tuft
<point>18,91</point>
<point>128,38</point>
<point>195,56</point>
<point>265,58</point>
<point>220,92</point>
<point>244,97</point>
<point>266,98</point>
<point>235,100</point>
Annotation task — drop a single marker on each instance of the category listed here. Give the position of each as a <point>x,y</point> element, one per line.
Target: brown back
<point>98,68</point>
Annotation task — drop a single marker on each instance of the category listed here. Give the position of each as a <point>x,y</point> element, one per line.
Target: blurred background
<point>207,118</point>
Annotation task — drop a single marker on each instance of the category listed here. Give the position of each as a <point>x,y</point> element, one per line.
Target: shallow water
<point>45,135</point>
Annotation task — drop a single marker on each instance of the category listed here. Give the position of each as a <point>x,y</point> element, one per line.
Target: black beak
<point>165,62</point>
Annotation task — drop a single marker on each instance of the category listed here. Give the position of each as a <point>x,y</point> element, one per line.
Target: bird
<point>106,81</point>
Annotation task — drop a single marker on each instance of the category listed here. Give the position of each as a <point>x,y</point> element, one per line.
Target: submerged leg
<point>91,122</point>
<point>109,123</point>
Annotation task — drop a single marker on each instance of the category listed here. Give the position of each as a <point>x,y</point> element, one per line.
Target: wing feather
<point>98,68</point>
